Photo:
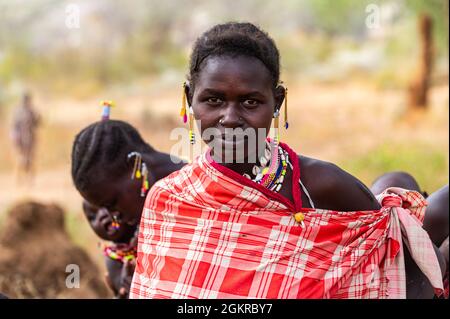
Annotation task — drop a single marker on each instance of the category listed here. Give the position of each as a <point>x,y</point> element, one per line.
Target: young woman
<point>113,168</point>
<point>283,226</point>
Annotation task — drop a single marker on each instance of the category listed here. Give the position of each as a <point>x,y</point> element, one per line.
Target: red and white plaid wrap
<point>205,235</point>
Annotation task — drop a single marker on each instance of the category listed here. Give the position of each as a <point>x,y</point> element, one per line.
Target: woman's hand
<point>126,277</point>
<point>110,284</point>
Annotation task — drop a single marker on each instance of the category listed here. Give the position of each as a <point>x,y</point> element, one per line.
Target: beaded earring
<point>140,171</point>
<point>286,123</point>
<point>115,223</point>
<point>191,126</point>
<point>276,117</point>
<point>106,112</point>
<point>137,164</point>
<point>145,186</point>
<point>183,112</point>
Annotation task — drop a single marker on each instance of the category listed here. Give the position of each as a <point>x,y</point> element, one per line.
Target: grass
<point>426,163</point>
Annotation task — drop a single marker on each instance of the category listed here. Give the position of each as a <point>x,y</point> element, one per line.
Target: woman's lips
<point>229,150</point>
<point>110,230</point>
<point>108,226</point>
<point>234,143</point>
<point>229,140</point>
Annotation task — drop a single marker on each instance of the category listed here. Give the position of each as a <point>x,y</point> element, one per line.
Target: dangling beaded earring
<point>140,170</point>
<point>191,126</point>
<point>106,112</point>
<point>286,123</point>
<point>183,112</point>
<point>137,164</point>
<point>276,116</point>
<point>115,223</point>
<point>145,186</point>
<point>276,121</point>
<point>274,146</point>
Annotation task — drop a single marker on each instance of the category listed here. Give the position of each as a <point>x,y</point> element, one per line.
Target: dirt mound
<point>38,259</point>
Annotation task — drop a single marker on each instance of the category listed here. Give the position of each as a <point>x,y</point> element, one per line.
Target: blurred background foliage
<point>122,41</point>
<point>138,51</point>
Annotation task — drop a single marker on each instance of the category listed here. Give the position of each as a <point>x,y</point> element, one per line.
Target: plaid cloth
<point>446,284</point>
<point>204,234</point>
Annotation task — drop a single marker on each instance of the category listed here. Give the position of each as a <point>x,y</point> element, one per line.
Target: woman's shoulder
<point>333,188</point>
<point>176,177</point>
<point>178,188</point>
<point>173,184</point>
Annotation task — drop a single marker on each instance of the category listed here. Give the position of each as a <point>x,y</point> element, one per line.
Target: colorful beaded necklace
<point>120,252</point>
<point>273,168</point>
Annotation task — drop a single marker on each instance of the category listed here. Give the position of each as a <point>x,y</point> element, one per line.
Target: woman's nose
<point>231,117</point>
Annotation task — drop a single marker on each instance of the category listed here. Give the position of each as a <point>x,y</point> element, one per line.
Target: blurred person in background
<point>25,123</point>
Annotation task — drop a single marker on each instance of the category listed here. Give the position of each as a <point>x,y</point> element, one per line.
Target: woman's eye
<point>251,103</point>
<point>214,100</point>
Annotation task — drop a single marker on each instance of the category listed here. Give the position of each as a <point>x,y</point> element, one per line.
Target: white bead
<point>267,153</point>
<point>263,161</point>
<point>256,170</point>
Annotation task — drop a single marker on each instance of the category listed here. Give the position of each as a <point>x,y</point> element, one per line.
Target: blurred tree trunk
<point>419,86</point>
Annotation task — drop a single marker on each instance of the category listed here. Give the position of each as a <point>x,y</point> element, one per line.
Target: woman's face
<point>101,221</point>
<point>233,93</point>
<point>121,194</point>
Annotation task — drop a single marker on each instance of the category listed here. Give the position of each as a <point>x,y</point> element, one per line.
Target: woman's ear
<point>188,91</point>
<point>280,92</point>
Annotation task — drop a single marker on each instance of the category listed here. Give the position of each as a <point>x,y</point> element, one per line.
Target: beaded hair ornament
<point>106,112</point>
